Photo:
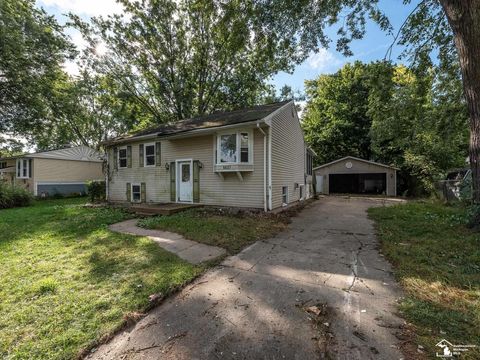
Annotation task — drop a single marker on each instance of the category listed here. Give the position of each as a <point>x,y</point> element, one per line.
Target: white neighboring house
<point>252,158</point>
<point>63,171</point>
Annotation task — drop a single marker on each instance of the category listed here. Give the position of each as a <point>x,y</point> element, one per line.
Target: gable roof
<point>214,120</point>
<point>76,153</point>
<point>357,159</point>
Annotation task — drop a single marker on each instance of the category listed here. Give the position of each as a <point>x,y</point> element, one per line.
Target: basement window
<point>136,193</point>
<point>284,195</point>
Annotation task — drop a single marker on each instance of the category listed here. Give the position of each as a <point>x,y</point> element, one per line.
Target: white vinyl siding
<point>229,191</point>
<point>288,156</point>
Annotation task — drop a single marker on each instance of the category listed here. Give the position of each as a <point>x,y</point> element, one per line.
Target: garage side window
<point>284,195</point>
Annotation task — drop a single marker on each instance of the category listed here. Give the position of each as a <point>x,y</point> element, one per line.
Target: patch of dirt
<point>320,316</point>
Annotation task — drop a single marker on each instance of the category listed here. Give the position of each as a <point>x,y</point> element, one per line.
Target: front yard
<point>66,280</point>
<point>437,261</point>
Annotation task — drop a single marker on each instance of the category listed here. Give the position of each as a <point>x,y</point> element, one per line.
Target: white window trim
<point>145,154</point>
<point>237,133</point>
<point>131,192</point>
<point>126,157</point>
<point>288,195</point>
<point>21,168</point>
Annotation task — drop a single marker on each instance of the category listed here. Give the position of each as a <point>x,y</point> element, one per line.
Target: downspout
<point>265,208</point>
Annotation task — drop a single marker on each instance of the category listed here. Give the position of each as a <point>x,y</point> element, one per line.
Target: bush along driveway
<point>437,261</point>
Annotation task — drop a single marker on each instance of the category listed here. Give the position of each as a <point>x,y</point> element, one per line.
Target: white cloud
<point>323,60</point>
<point>84,7</point>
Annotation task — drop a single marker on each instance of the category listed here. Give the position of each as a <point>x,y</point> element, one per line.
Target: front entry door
<point>185,183</point>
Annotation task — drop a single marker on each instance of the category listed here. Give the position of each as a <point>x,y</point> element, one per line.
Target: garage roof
<point>357,159</point>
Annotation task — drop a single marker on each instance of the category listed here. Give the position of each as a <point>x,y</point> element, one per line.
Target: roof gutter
<point>187,133</point>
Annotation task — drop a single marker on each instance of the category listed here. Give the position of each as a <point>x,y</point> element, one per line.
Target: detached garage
<point>351,175</point>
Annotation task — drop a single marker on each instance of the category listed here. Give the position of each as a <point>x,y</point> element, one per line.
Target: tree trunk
<point>464,19</point>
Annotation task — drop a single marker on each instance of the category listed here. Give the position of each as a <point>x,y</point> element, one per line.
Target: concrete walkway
<point>188,250</point>
<point>318,290</point>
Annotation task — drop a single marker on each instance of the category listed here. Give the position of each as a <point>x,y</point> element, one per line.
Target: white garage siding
<point>359,166</point>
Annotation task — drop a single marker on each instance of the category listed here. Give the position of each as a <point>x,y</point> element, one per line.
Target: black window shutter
<point>128,192</point>
<point>143,192</point>
<point>173,184</point>
<point>129,156</point>
<point>158,152</point>
<point>30,168</point>
<point>196,181</point>
<point>140,152</point>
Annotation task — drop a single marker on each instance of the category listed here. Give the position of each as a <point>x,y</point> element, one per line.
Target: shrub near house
<point>13,197</point>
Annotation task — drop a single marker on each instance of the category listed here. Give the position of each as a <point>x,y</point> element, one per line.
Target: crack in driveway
<point>272,277</point>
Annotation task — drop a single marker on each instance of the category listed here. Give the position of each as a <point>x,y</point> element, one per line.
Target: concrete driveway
<point>318,290</point>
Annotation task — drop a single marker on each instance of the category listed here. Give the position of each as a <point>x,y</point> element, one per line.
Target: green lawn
<point>66,280</point>
<point>209,226</point>
<point>437,261</point>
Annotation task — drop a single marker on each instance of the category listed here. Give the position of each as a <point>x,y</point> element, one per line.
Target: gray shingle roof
<point>209,121</point>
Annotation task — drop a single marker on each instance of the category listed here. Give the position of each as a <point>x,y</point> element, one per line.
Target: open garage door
<point>374,183</point>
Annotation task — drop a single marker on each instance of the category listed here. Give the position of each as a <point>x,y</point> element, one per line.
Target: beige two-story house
<point>47,173</point>
<point>251,158</point>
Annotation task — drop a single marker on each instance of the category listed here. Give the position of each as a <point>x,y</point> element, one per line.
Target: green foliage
<point>178,59</point>
<point>14,196</point>
<point>67,280</point>
<point>416,121</point>
<point>33,48</point>
<point>96,190</point>
<point>335,120</point>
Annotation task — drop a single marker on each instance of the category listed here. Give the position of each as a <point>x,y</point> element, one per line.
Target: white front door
<point>185,183</point>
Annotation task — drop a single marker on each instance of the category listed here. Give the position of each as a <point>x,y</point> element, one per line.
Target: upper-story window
<point>23,168</point>
<point>234,147</point>
<point>3,164</point>
<point>122,157</point>
<point>149,155</point>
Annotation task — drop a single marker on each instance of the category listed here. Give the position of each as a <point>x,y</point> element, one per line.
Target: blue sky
<point>372,47</point>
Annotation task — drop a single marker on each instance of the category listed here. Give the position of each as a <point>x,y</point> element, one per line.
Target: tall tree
<point>415,121</point>
<point>450,26</point>
<point>33,48</point>
<point>335,119</point>
<point>420,124</point>
<point>184,58</point>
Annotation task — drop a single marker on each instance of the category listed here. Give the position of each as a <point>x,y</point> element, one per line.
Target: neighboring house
<point>64,171</point>
<point>356,176</point>
<point>252,158</point>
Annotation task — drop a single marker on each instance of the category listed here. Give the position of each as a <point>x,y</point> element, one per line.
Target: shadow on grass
<point>437,260</point>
